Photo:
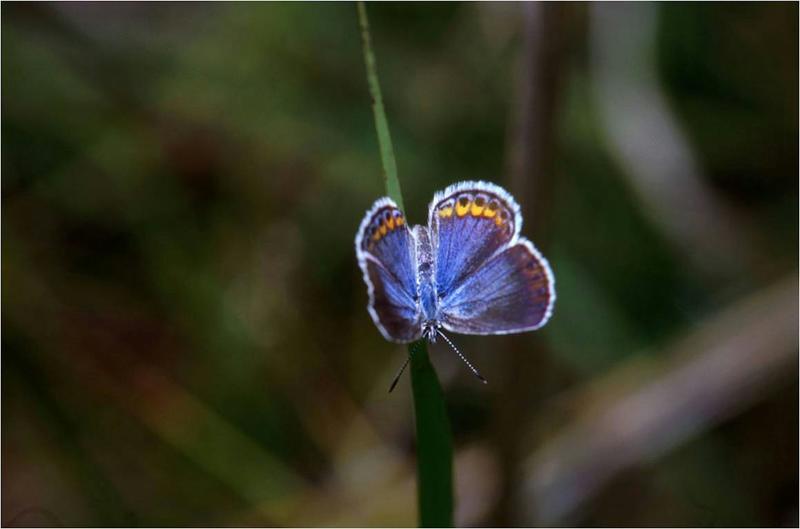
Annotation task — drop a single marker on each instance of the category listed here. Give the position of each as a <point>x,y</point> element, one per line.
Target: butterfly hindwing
<point>488,279</point>
<point>511,292</point>
<point>385,248</point>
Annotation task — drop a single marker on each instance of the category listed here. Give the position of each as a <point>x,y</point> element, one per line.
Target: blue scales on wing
<point>489,280</point>
<point>385,249</point>
<point>512,292</point>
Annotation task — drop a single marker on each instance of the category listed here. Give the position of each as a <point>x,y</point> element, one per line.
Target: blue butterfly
<point>468,271</point>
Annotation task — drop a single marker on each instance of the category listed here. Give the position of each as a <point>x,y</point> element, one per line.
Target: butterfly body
<point>425,270</point>
<point>467,271</point>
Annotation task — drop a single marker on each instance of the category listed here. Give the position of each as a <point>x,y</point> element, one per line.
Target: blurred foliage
<point>185,339</point>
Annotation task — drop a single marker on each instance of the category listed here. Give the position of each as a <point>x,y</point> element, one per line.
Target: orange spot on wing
<point>476,210</point>
<point>461,210</point>
<point>446,212</point>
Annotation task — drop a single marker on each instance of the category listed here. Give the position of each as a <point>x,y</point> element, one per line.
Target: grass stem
<point>434,440</point>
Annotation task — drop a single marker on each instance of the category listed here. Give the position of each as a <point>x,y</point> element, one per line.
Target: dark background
<point>184,333</point>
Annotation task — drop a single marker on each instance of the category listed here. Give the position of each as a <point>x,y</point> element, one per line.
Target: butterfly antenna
<point>462,357</point>
<point>399,373</point>
<point>397,376</point>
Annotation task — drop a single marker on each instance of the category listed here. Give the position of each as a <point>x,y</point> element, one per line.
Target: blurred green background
<point>184,329</point>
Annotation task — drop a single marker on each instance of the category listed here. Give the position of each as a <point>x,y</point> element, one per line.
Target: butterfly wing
<point>488,279</point>
<point>512,292</point>
<point>385,250</point>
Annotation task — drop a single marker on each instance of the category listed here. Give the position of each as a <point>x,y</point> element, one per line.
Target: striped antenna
<point>399,373</point>
<point>462,357</point>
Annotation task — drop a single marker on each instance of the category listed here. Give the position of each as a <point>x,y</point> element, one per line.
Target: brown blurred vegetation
<point>184,333</point>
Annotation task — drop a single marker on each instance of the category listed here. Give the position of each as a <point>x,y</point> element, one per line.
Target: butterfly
<point>468,271</point>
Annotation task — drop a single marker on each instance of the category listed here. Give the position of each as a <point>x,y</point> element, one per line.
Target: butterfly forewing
<point>385,251</point>
<point>469,222</point>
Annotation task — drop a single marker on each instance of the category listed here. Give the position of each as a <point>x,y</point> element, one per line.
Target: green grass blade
<point>381,124</point>
<point>434,440</point>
